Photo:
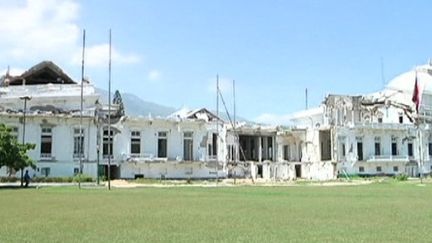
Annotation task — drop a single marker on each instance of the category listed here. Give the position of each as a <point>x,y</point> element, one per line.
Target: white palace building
<point>373,134</point>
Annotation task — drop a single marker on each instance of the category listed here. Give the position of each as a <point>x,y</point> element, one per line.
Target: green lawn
<point>388,212</point>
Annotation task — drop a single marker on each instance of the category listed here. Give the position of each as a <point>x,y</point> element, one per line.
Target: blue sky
<point>169,52</point>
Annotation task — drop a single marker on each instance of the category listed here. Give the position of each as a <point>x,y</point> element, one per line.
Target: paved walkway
<point>47,184</point>
<point>182,183</point>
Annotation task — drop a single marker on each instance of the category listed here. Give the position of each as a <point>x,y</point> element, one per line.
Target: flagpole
<point>416,98</point>
<point>109,115</point>
<point>81,140</point>
<point>234,124</point>
<point>420,141</point>
<point>217,124</point>
<point>420,137</point>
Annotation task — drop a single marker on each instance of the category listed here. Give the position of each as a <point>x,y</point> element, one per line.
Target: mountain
<point>135,106</point>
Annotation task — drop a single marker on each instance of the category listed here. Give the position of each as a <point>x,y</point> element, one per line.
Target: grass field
<point>385,212</point>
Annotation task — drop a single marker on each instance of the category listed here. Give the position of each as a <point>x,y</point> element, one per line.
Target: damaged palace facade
<point>367,135</point>
<point>180,146</point>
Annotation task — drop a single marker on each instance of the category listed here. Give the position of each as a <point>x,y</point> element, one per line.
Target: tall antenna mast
<point>109,114</point>
<point>234,104</point>
<point>234,126</point>
<point>306,98</point>
<point>217,98</point>
<point>81,138</point>
<point>382,71</point>
<point>217,125</point>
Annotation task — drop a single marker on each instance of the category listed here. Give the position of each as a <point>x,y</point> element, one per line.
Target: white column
<point>259,149</point>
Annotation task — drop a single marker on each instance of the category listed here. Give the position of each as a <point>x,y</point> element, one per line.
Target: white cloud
<point>48,29</point>
<point>98,56</point>
<point>154,75</point>
<point>39,28</point>
<point>273,119</point>
<point>12,71</point>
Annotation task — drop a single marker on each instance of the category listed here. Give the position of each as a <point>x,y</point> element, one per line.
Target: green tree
<point>14,154</point>
<point>117,100</point>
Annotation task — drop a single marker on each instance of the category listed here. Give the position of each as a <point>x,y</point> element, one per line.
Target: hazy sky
<point>169,52</point>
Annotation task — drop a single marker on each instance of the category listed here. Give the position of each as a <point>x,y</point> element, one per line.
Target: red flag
<point>416,94</point>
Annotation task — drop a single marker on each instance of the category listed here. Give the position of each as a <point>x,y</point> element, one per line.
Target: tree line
<point>12,153</point>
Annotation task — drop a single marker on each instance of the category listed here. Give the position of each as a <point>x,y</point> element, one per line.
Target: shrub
<point>350,176</point>
<point>84,178</point>
<point>37,179</point>
<point>355,176</point>
<point>401,177</point>
<point>8,179</point>
<point>64,179</point>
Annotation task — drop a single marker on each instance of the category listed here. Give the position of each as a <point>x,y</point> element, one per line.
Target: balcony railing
<point>46,156</point>
<point>211,158</point>
<point>76,156</point>
<point>105,156</point>
<point>389,126</point>
<point>388,158</point>
<point>144,156</point>
<point>148,157</point>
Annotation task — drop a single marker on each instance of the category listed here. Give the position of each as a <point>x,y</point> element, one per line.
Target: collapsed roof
<point>198,114</point>
<point>43,73</point>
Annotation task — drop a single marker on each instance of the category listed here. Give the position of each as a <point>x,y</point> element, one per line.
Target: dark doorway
<point>114,172</point>
<point>260,173</point>
<point>360,151</point>
<point>325,142</point>
<point>162,148</point>
<point>214,144</point>
<point>248,147</point>
<point>410,149</point>
<point>394,148</point>
<point>377,149</point>
<point>298,171</point>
